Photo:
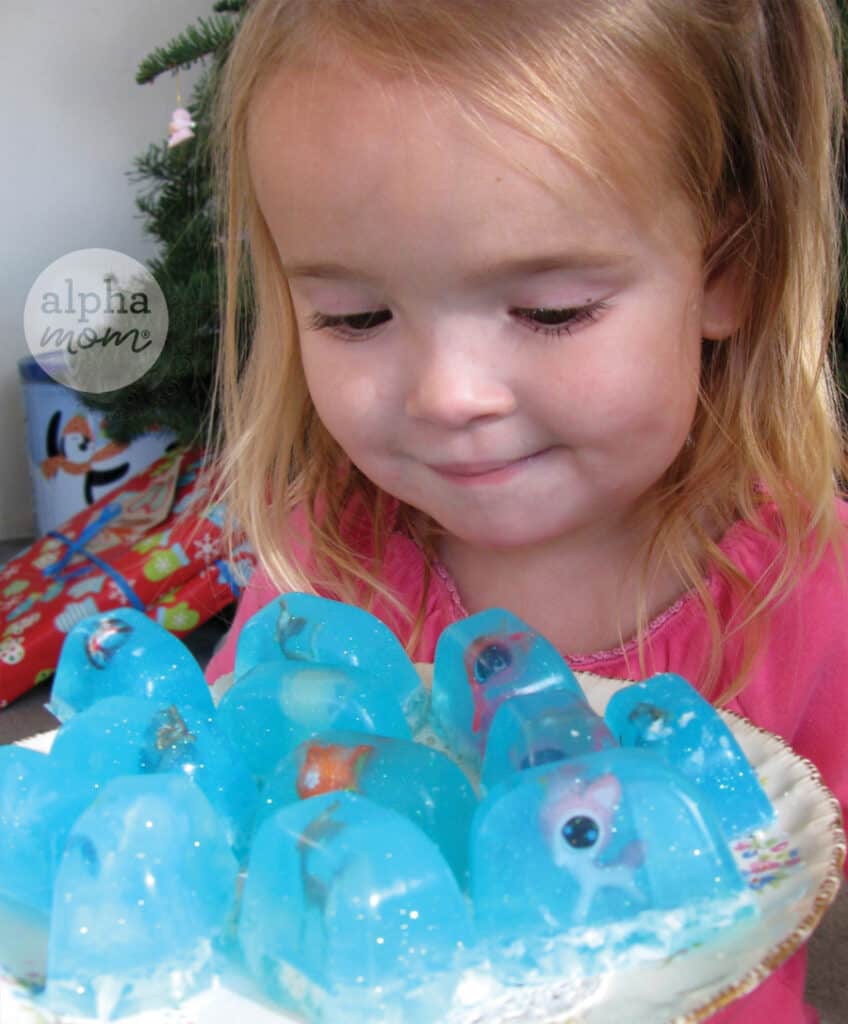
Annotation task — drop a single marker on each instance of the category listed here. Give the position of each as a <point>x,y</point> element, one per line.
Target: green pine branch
<point>208,36</point>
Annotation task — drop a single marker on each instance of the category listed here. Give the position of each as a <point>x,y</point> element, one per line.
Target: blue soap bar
<point>311,630</point>
<point>541,728</point>
<point>144,890</point>
<point>23,942</point>
<point>480,662</point>
<point>603,839</point>
<point>138,736</point>
<point>666,715</point>
<point>277,705</point>
<point>39,804</point>
<point>123,653</point>
<point>409,778</point>
<point>350,913</point>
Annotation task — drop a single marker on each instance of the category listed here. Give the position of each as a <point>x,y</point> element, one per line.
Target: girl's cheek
<point>347,399</point>
<point>361,393</point>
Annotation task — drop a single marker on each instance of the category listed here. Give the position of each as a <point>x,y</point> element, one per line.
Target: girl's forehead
<point>313,121</point>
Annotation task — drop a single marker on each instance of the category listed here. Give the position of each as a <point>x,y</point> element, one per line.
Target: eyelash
<point>353,326</point>
<point>357,326</point>
<point>567,318</point>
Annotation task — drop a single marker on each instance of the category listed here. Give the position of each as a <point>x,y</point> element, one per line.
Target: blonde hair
<point>741,102</point>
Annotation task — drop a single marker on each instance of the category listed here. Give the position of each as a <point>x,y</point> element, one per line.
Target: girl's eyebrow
<point>334,271</point>
<point>524,266</point>
<point>569,260</point>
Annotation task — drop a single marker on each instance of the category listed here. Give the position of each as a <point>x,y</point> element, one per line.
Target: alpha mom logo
<point>96,320</point>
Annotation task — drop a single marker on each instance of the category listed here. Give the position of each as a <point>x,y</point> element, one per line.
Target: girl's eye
<point>350,325</point>
<point>557,321</point>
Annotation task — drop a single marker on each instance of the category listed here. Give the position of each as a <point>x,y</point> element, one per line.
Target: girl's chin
<point>501,534</point>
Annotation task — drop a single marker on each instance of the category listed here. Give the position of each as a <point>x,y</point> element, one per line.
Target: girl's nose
<point>452,386</point>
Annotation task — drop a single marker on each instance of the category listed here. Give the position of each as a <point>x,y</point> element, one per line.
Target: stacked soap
<point>356,840</point>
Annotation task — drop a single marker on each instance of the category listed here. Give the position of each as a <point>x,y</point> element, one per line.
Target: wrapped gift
<point>72,463</point>
<point>154,544</point>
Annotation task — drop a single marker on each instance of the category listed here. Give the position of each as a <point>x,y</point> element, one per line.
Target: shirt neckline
<point>658,622</point>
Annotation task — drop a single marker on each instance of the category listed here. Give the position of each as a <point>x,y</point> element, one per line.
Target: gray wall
<point>71,120</point>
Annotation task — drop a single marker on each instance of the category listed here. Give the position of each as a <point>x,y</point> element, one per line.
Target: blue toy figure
<point>666,715</point>
<point>144,890</point>
<point>603,839</point>
<point>310,630</point>
<point>421,784</point>
<point>540,728</point>
<point>349,913</point>
<point>124,653</point>
<point>480,662</point>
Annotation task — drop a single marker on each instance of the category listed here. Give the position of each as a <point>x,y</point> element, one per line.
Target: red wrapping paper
<point>155,544</point>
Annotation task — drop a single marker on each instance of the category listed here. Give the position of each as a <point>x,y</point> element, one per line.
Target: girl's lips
<point>484,472</point>
<point>472,468</point>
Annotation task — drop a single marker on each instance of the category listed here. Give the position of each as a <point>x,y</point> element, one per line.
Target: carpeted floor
<point>827,974</point>
<point>827,979</point>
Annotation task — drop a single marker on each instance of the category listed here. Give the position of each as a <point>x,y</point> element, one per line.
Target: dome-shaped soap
<point>124,653</point>
<point>349,913</point>
<point>145,887</point>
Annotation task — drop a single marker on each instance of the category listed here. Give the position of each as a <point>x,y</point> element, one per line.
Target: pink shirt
<point>797,688</point>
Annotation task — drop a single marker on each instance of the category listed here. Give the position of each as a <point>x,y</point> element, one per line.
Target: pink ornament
<point>180,127</point>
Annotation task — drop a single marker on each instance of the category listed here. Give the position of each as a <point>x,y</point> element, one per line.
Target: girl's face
<point>518,361</point>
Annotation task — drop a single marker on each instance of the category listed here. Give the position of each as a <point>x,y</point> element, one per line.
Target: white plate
<point>795,869</point>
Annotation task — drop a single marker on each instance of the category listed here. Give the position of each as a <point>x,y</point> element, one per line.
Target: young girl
<point>540,300</point>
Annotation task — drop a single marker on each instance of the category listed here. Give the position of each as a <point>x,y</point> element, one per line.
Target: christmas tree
<point>177,206</point>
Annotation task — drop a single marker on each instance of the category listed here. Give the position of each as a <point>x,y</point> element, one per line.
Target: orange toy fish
<point>328,767</point>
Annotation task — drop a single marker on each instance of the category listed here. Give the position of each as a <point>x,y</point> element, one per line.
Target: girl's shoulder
<point>797,686</point>
<point>760,541</point>
<point>817,589</point>
<point>678,637</point>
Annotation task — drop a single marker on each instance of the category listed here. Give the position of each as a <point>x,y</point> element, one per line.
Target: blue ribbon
<point>77,547</point>
<point>228,577</point>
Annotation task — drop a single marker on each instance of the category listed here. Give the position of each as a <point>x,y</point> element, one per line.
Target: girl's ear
<point>723,306</point>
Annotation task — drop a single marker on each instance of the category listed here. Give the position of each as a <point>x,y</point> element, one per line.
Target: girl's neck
<point>582,596</point>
